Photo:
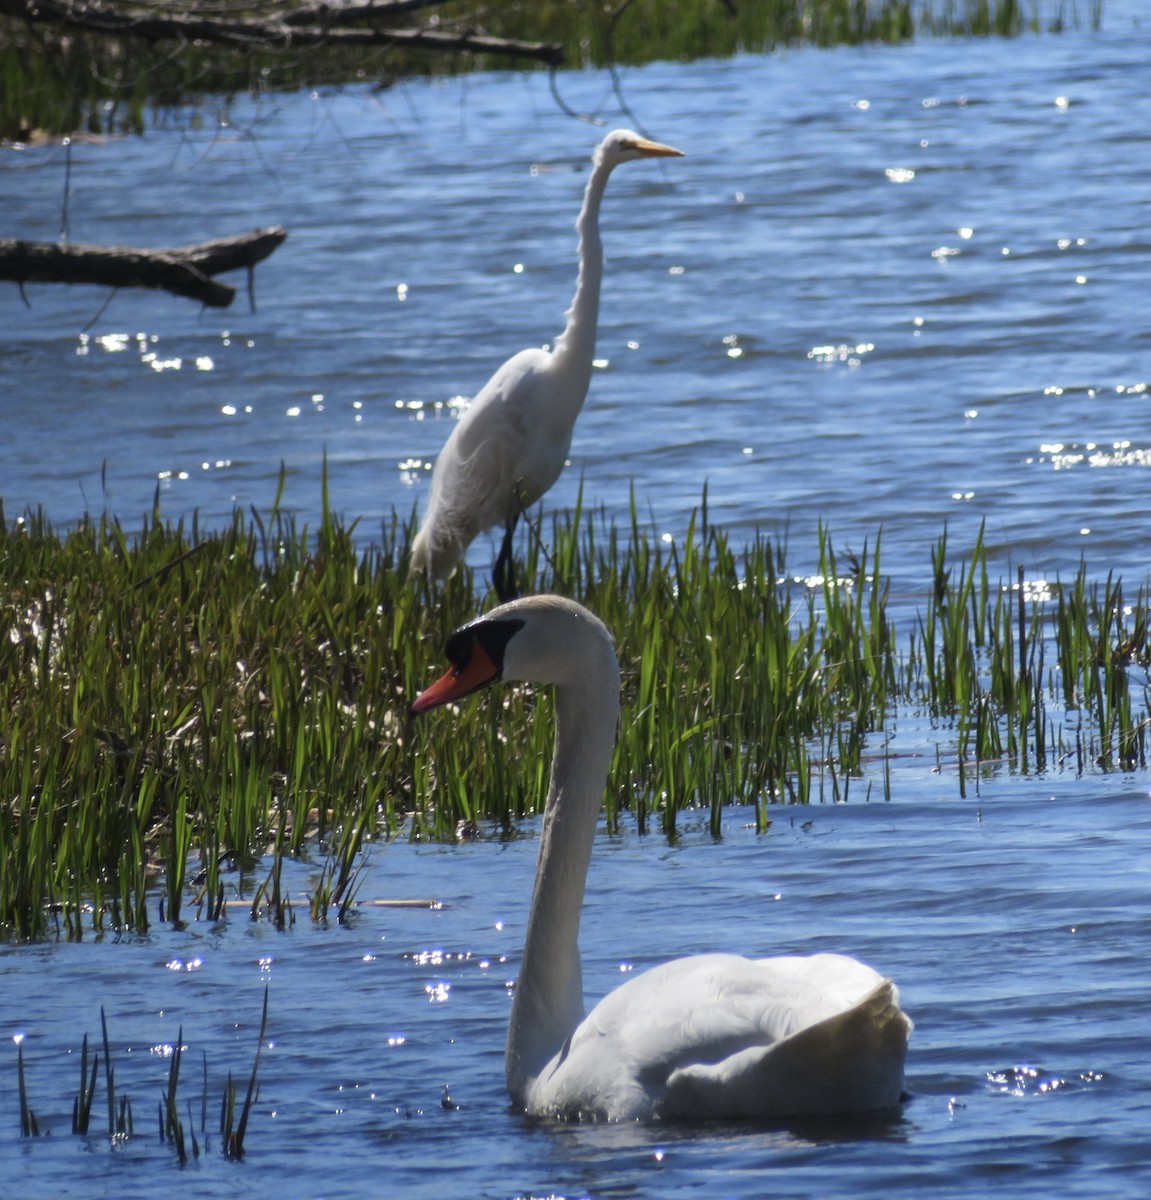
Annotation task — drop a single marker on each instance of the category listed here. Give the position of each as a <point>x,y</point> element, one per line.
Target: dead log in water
<point>184,271</point>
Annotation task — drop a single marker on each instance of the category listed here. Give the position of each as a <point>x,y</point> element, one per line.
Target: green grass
<point>55,82</point>
<point>172,1130</point>
<point>181,710</point>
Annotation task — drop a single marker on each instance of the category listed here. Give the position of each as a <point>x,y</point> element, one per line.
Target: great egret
<point>511,443</point>
<point>711,1036</point>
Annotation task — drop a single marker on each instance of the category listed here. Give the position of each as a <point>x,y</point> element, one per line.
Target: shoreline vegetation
<point>181,710</point>
<point>106,67</point>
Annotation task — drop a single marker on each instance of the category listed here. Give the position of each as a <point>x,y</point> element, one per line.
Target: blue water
<point>888,288</point>
<point>1021,956</point>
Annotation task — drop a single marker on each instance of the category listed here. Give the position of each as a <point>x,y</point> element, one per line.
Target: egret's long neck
<point>575,347</point>
<point>548,1002</point>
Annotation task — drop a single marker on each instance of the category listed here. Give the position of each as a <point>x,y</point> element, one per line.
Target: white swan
<point>511,443</point>
<point>711,1036</point>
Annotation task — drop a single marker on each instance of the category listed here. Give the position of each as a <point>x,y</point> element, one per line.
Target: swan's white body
<point>512,441</point>
<point>710,1036</point>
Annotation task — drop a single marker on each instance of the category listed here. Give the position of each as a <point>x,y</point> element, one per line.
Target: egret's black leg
<point>503,573</point>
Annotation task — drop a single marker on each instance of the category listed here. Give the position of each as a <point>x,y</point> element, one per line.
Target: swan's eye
<point>479,648</point>
<point>458,650</point>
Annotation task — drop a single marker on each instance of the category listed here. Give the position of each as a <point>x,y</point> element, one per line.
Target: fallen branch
<point>184,271</point>
<point>278,30</point>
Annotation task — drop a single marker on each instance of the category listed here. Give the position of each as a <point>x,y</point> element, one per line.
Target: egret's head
<point>624,145</point>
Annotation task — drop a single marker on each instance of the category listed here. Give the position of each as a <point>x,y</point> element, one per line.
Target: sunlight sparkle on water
<point>1025,1080</point>
<point>455,407</point>
<point>851,355</point>
<point>1037,591</point>
<point>1063,456</point>
<point>438,957</point>
<point>411,469</point>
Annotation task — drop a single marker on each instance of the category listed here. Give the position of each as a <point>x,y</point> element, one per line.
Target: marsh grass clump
<point>1034,673</point>
<point>182,711</point>
<point>172,1130</point>
<point>178,722</point>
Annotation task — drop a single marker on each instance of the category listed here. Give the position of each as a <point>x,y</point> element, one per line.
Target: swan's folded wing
<point>679,1038</point>
<point>852,1061</point>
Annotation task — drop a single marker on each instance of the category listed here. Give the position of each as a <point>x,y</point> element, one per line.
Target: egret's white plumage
<point>512,441</point>
<point>710,1036</point>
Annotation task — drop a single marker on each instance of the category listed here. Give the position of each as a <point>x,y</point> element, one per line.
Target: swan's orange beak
<point>477,672</point>
<point>650,149</point>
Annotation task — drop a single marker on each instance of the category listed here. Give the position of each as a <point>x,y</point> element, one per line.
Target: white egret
<point>710,1036</point>
<point>512,441</point>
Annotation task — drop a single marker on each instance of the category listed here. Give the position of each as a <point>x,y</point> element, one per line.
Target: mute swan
<point>511,443</point>
<point>711,1036</point>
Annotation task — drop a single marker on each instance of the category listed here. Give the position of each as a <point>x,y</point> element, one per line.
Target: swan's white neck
<point>575,347</point>
<point>548,1002</point>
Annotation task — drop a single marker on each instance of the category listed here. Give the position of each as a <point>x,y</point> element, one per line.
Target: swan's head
<point>624,145</point>
<point>537,639</point>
